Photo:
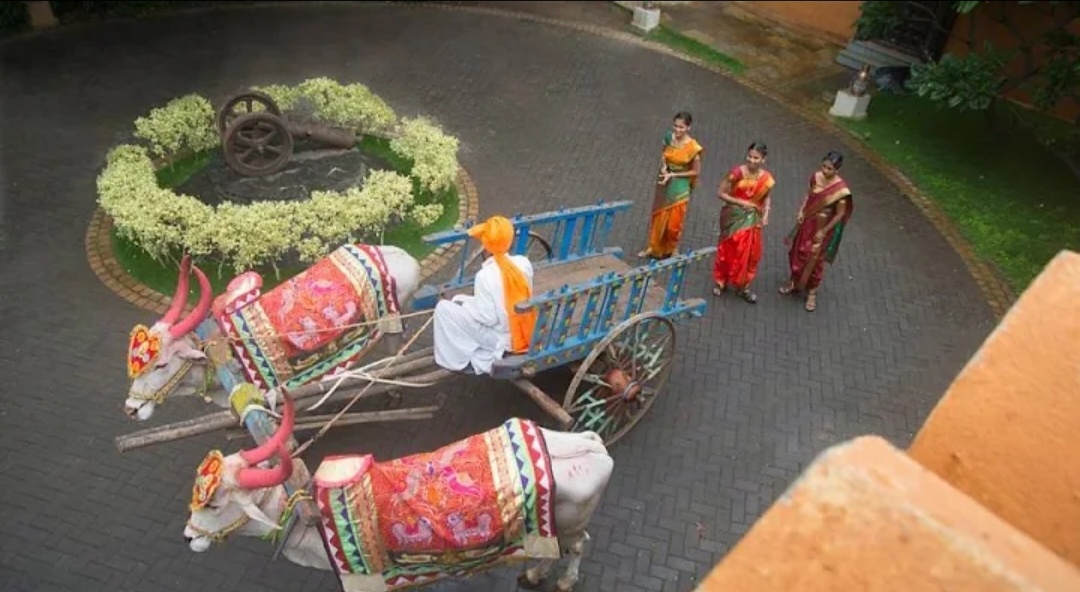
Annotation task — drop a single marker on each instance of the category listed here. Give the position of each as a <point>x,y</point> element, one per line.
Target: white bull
<point>249,500</point>
<point>173,363</point>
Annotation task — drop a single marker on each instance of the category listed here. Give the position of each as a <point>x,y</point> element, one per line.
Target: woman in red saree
<point>745,193</point>
<point>819,227</point>
<point>680,165</point>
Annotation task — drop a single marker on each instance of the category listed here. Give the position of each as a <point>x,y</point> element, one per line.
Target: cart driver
<point>480,328</point>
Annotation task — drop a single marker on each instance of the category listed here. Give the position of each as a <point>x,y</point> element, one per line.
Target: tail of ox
<point>161,357</point>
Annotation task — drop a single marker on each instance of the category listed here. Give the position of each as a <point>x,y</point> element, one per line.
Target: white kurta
<point>475,329</point>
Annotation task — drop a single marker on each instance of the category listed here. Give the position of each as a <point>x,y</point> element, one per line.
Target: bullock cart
<point>611,324</point>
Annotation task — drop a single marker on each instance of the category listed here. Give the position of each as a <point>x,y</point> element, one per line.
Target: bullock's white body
<point>581,468</point>
<point>182,354</point>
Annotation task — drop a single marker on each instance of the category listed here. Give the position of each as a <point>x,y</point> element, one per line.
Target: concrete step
<point>860,53</point>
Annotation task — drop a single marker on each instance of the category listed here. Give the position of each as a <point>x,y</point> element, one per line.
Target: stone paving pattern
<point>547,117</point>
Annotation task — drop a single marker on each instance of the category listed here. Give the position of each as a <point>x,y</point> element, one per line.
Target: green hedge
<point>13,17</point>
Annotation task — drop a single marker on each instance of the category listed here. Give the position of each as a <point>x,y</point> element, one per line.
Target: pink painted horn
<point>254,478</point>
<point>179,299</point>
<point>268,448</point>
<point>206,297</point>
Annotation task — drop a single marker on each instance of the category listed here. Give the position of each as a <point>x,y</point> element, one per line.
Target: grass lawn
<point>692,47</point>
<point>163,276</point>
<point>1016,203</point>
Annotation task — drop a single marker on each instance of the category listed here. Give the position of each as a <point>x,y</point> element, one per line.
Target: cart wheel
<point>242,104</point>
<point>257,144</point>
<point>622,377</point>
<point>537,249</point>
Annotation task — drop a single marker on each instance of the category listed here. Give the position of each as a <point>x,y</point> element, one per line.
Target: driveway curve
<point>547,117</point>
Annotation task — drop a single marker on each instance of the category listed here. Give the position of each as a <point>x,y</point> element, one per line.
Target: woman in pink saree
<point>819,228</point>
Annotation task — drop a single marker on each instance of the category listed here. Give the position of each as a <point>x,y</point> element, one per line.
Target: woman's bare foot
<point>787,288</point>
<point>811,302</point>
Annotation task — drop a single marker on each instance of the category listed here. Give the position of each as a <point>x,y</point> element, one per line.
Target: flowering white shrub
<point>159,220</point>
<point>434,154</point>
<point>183,124</point>
<point>426,215</point>
<point>286,97</point>
<point>352,106</point>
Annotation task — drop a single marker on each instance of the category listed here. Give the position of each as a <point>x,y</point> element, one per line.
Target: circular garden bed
<point>401,181</point>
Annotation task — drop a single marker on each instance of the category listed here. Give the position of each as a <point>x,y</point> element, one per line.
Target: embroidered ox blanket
<point>305,329</point>
<point>484,500</point>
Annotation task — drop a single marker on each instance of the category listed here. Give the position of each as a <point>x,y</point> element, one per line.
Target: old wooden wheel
<point>622,377</point>
<point>242,104</point>
<point>257,144</point>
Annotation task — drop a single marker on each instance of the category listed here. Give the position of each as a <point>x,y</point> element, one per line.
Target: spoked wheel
<point>622,377</point>
<point>251,101</point>
<point>537,249</point>
<point>257,144</point>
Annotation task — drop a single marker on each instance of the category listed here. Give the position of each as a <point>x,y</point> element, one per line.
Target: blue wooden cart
<point>611,323</point>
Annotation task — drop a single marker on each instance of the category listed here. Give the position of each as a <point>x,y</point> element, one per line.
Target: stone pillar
<point>866,517</point>
<point>1007,432</point>
<point>41,15</point>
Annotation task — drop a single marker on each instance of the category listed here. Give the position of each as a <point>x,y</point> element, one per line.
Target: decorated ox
<point>311,326</point>
<point>513,493</point>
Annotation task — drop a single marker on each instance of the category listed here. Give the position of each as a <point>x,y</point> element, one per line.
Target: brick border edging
<point>99,252</point>
<point>997,293</point>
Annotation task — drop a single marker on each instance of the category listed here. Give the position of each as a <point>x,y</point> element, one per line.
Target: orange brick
<point>865,517</point>
<point>1005,433</point>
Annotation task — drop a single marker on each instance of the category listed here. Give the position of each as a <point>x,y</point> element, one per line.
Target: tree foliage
<point>1047,66</point>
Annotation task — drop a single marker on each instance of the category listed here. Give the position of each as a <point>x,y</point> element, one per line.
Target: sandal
<point>718,289</point>
<point>811,302</point>
<point>748,296</point>
<point>787,289</point>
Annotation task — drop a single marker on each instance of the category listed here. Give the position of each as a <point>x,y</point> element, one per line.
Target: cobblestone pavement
<point>547,117</point>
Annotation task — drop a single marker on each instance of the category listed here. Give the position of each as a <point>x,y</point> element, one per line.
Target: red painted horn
<point>179,299</point>
<point>254,478</point>
<point>206,296</point>
<point>267,449</point>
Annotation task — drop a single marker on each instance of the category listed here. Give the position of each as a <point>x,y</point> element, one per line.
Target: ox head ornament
<point>160,357</point>
<point>230,492</point>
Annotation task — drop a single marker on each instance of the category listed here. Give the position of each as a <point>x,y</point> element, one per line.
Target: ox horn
<point>179,299</point>
<point>191,321</point>
<point>253,478</point>
<point>267,449</point>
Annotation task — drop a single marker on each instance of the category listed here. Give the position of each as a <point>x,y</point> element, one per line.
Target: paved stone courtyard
<point>547,117</point>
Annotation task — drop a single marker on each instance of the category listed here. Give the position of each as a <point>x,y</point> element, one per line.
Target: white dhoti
<point>476,329</point>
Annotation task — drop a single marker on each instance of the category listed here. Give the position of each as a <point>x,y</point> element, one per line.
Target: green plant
<point>878,19</point>
<point>161,222</point>
<point>1045,64</point>
<point>433,153</point>
<point>13,17</point>
<point>969,83</point>
<point>183,125</point>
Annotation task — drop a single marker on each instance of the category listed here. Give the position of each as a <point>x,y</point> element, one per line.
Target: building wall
<point>832,20</point>
<point>1030,20</point>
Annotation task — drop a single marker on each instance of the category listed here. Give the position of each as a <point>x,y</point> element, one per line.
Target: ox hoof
<point>526,583</point>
